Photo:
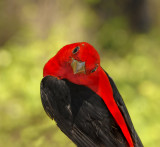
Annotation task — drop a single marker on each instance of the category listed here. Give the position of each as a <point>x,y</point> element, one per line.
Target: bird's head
<point>77,62</point>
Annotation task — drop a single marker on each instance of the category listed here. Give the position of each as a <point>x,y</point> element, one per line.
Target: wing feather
<point>56,100</point>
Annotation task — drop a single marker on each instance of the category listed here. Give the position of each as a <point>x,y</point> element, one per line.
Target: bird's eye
<point>76,50</point>
<point>94,69</point>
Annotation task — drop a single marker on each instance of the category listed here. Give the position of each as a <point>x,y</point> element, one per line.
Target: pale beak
<point>78,66</point>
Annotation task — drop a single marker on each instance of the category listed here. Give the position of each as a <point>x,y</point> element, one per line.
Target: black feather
<point>82,115</point>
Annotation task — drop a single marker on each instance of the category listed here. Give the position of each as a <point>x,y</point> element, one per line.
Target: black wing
<point>82,115</point>
<point>56,100</point>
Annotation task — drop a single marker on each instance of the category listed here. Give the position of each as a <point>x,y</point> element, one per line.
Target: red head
<point>74,62</point>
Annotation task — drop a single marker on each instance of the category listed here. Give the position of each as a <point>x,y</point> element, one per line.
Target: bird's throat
<point>104,90</point>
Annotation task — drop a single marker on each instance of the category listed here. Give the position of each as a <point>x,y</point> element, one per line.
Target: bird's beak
<point>78,66</point>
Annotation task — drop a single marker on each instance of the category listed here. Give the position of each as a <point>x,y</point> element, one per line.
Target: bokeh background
<point>126,34</point>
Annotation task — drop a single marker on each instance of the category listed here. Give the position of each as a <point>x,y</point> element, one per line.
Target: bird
<point>84,101</point>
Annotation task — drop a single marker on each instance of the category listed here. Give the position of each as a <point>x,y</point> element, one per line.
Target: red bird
<point>84,101</point>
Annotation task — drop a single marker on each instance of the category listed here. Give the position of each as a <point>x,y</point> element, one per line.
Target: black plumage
<point>83,116</point>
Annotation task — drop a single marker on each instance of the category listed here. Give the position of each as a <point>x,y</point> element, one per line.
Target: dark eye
<point>76,50</point>
<point>94,69</point>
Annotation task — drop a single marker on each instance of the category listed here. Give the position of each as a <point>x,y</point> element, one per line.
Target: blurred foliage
<point>33,31</point>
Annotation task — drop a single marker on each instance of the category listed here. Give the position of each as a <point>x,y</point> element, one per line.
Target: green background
<point>31,32</point>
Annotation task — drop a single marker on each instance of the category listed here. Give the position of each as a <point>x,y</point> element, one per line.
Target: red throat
<point>104,90</point>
